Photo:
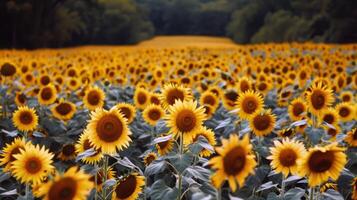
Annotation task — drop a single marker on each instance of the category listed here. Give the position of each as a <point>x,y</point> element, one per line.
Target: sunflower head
<point>8,152</point>
<point>73,184</point>
<point>32,164</point>
<point>262,123</point>
<point>234,163</point>
<point>172,92</point>
<point>318,98</point>
<point>153,113</point>
<point>64,110</point>
<point>149,158</point>
<point>129,187</point>
<point>7,69</point>
<point>47,94</point>
<point>141,97</point>
<point>25,119</point>
<point>297,109</point>
<point>128,111</point>
<point>346,111</point>
<point>185,118</point>
<point>94,98</point>
<point>285,155</point>
<point>68,152</point>
<point>209,98</point>
<point>20,99</point>
<point>83,145</point>
<point>108,130</point>
<point>351,137</point>
<point>322,163</point>
<point>206,133</point>
<point>165,147</point>
<point>249,103</point>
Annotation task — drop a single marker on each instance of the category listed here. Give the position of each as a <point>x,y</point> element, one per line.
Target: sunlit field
<point>179,118</point>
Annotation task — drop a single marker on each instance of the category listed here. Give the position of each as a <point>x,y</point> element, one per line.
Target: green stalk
<point>179,174</point>
<point>219,193</point>
<point>282,192</point>
<point>105,168</point>
<point>311,193</point>
<point>96,185</point>
<point>27,191</point>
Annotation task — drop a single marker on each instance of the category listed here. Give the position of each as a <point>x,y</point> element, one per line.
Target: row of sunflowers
<point>272,121</point>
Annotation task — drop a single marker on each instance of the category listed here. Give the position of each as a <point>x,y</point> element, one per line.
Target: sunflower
<point>8,69</point>
<point>155,98</point>
<point>108,130</point>
<point>346,96</point>
<point>32,164</point>
<point>329,116</point>
<point>249,103</point>
<point>47,95</point>
<point>73,184</point>
<point>262,123</point>
<point>185,118</point>
<point>332,131</point>
<point>322,163</point>
<point>173,92</point>
<point>83,145</point>
<point>288,132</point>
<point>328,186</point>
<point>234,163</point>
<point>153,113</point>
<point>297,109</point>
<point>346,111</point>
<point>285,155</point>
<point>149,158</point>
<point>64,110</point>
<point>354,189</point>
<point>100,177</point>
<point>8,152</point>
<point>127,110</point>
<point>129,187</point>
<point>165,147</point>
<point>68,152</point>
<point>209,98</point>
<point>244,85</point>
<point>20,99</point>
<point>318,98</point>
<point>351,137</point>
<point>208,134</point>
<point>25,119</point>
<point>230,98</point>
<point>94,98</point>
<point>141,98</point>
<point>209,110</point>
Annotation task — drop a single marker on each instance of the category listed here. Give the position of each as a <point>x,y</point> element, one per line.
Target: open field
<point>179,117</point>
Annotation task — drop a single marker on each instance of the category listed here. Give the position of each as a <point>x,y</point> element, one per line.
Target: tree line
<point>58,23</point>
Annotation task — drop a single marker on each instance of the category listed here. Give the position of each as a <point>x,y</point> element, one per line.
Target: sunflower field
<point>210,122</point>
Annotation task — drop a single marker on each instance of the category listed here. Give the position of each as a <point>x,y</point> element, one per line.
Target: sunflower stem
<point>311,193</point>
<point>179,173</point>
<point>96,181</point>
<point>282,192</point>
<point>27,191</point>
<point>105,168</point>
<point>219,193</point>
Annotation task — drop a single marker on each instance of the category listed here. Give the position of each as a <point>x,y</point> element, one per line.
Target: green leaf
<point>181,162</point>
<point>159,191</point>
<point>267,186</point>
<point>294,194</point>
<point>292,179</point>
<point>332,195</point>
<point>155,167</point>
<point>198,172</point>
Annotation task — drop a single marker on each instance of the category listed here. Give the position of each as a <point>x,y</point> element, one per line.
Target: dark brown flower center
<point>262,122</point>
<point>344,112</point>
<point>287,157</point>
<point>126,187</point>
<point>329,118</point>
<point>109,128</point>
<point>154,114</point>
<point>33,165</point>
<point>173,95</point>
<point>46,93</point>
<point>26,117</point>
<point>249,105</point>
<point>298,109</point>
<point>68,150</point>
<point>63,108</point>
<point>7,69</point>
<point>234,161</point>
<point>126,112</point>
<point>93,98</point>
<point>321,161</point>
<point>142,98</point>
<point>186,121</point>
<point>318,99</point>
<point>63,189</point>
